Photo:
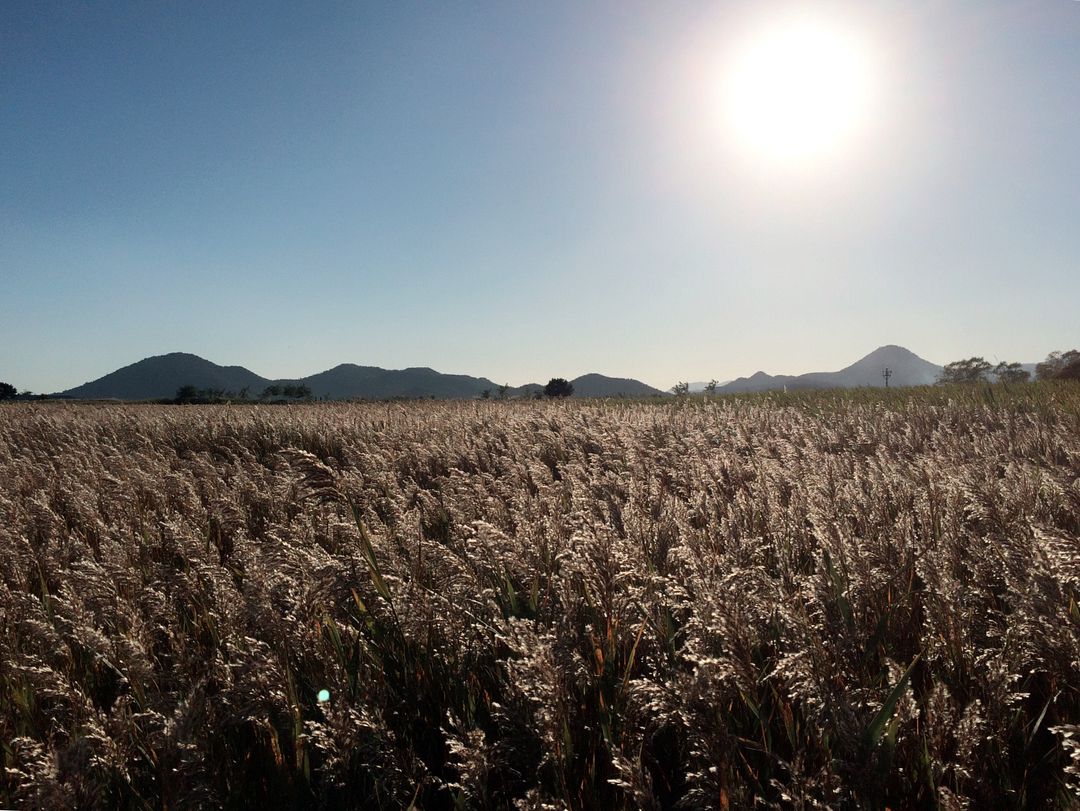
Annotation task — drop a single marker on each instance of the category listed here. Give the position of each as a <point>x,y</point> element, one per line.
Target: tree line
<point>1057,366</point>
<point>9,392</point>
<point>190,394</point>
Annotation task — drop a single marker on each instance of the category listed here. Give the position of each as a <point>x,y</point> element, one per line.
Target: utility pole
<point>887,374</point>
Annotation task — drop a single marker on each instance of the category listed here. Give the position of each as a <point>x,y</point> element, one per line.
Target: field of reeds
<point>828,600</point>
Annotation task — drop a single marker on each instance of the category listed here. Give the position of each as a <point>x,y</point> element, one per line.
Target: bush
<point>558,387</point>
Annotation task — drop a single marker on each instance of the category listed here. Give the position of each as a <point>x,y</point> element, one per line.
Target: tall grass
<point>833,600</point>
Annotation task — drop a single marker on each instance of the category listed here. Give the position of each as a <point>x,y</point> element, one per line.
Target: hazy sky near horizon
<point>523,191</point>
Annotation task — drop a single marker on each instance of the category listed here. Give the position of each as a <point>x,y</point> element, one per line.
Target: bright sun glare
<point>798,92</point>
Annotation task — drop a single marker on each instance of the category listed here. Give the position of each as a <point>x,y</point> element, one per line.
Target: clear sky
<point>528,190</point>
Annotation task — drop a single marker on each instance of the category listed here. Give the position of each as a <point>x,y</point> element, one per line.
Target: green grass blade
<point>880,722</point>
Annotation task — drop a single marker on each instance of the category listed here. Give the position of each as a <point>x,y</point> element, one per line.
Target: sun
<point>798,92</point>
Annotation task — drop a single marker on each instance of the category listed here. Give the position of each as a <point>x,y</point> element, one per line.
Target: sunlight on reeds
<point>861,599</point>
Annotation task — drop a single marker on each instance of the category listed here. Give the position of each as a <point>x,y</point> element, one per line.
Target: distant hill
<point>596,385</point>
<point>698,386</point>
<point>349,381</point>
<point>907,368</point>
<point>160,376</point>
<point>528,390</point>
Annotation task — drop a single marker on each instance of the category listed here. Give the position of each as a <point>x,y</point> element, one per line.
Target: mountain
<point>596,385</point>
<point>160,376</point>
<point>698,386</point>
<point>349,381</point>
<point>526,391</point>
<point>758,381</point>
<point>907,369</point>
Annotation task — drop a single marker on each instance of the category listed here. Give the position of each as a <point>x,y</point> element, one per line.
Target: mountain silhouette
<point>349,381</point>
<point>907,369</point>
<point>160,377</point>
<point>597,385</point>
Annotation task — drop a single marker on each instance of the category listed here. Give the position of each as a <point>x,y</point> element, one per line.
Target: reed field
<point>817,600</point>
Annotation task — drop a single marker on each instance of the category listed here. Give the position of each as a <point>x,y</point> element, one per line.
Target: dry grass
<point>827,600</point>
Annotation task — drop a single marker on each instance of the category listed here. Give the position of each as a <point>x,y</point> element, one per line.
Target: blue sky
<point>522,190</point>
